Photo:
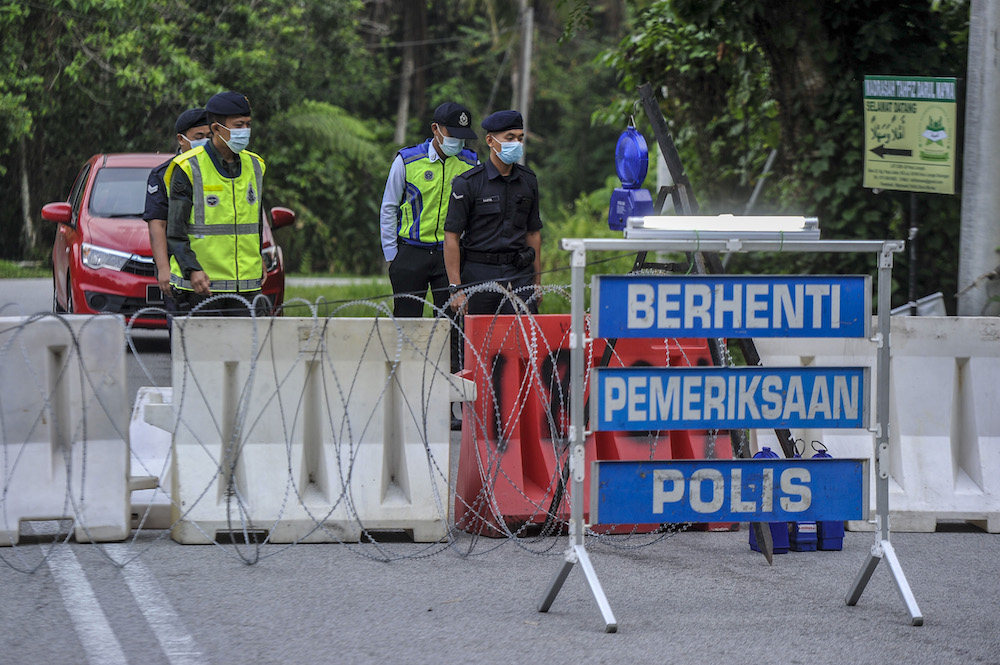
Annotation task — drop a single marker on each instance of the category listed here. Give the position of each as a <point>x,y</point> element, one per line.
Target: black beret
<point>228,103</point>
<point>502,120</point>
<point>190,118</point>
<point>456,119</point>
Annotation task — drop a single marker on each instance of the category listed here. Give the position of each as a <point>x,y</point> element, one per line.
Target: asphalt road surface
<point>691,598</point>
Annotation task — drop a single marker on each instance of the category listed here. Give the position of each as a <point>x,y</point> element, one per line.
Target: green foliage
<point>15,270</point>
<point>331,167</point>
<point>340,299</point>
<point>746,76</point>
<point>742,77</point>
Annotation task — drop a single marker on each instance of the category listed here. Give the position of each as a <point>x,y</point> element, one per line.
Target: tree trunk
<point>28,236</point>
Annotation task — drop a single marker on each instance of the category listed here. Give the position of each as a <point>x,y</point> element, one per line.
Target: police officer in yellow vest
<point>214,214</point>
<point>414,207</point>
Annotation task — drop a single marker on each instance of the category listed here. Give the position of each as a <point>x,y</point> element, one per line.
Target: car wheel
<point>56,307</point>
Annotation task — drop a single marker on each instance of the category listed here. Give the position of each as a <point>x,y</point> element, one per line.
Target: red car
<point>101,258</point>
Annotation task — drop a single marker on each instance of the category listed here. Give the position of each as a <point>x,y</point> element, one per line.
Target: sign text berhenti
<point>731,306</point>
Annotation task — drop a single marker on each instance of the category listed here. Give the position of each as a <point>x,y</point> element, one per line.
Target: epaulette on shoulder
<point>475,169</point>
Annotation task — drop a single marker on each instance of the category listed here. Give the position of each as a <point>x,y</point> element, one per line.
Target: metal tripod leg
<point>578,554</point>
<point>884,549</point>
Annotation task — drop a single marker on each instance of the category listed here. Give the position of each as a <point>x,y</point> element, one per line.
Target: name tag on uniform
<point>489,199</point>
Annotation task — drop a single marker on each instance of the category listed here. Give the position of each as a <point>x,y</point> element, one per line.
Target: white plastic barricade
<point>63,419</point>
<point>309,430</point>
<point>945,424</point>
<point>150,447</point>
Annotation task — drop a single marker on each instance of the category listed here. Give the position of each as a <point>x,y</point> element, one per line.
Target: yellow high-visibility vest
<point>224,227</point>
<point>428,188</point>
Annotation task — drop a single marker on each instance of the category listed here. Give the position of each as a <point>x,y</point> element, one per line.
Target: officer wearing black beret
<point>214,215</point>
<point>191,130</point>
<point>493,231</point>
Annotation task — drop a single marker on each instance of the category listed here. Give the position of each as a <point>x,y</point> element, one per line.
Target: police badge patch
<point>428,175</point>
<point>211,200</point>
<point>251,195</point>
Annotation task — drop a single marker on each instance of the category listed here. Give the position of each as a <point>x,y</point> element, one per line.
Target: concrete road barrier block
<point>310,430</point>
<point>944,425</point>
<point>64,422</point>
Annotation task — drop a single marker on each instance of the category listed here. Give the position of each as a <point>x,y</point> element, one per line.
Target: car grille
<point>140,266</point>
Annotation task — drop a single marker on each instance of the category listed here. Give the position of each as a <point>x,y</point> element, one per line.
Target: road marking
<point>100,645</point>
<point>177,643</point>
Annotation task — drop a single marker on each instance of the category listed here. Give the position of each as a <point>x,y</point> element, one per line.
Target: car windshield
<point>119,192</point>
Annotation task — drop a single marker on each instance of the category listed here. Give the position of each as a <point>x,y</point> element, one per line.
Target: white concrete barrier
<point>944,428</point>
<point>310,430</point>
<point>64,423</point>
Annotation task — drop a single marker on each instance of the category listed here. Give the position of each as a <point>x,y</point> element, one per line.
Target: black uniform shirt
<point>495,213</point>
<point>156,193</point>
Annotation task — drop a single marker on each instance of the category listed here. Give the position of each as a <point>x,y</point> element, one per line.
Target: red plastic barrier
<point>508,475</point>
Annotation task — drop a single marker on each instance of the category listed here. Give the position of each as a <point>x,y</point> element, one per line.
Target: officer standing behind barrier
<point>214,214</point>
<point>414,206</point>
<point>493,231</point>
<point>192,131</point>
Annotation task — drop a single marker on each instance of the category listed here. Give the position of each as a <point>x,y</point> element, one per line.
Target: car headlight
<point>101,257</point>
<point>270,256</point>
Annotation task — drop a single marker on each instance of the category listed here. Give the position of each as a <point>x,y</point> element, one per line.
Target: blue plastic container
<point>829,534</point>
<point>802,535</point>
<point>779,530</point>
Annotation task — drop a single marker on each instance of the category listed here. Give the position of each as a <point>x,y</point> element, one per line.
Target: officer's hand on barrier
<point>200,283</point>
<point>458,301</point>
<point>538,295</point>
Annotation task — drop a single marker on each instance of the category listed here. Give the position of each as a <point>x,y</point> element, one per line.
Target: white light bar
<point>722,227</point>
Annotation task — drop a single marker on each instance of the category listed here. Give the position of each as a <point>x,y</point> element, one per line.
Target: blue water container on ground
<point>802,535</point>
<point>829,533</point>
<point>779,530</point>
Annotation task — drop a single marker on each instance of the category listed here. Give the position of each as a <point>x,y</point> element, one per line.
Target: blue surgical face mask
<point>197,143</point>
<point>510,151</point>
<point>239,139</point>
<point>451,146</point>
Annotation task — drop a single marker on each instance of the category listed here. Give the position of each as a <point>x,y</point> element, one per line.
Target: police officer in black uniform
<point>192,130</point>
<point>493,231</point>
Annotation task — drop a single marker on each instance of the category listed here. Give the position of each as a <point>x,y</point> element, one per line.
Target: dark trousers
<point>187,301</point>
<point>518,280</point>
<point>414,270</point>
<point>411,273</point>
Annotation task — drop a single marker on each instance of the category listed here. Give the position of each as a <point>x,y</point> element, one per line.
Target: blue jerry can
<point>779,530</point>
<point>829,533</point>
<point>802,535</point>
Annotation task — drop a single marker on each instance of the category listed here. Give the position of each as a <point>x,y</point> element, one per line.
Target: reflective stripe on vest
<point>224,226</point>
<point>219,285</point>
<point>421,216</point>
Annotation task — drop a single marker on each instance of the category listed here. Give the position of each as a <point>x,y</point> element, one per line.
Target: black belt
<point>495,258</point>
<point>425,245</point>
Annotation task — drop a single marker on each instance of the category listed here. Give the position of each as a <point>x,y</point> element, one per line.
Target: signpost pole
<point>882,547</point>
<point>577,551</point>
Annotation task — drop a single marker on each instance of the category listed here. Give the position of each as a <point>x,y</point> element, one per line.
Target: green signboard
<point>911,127</point>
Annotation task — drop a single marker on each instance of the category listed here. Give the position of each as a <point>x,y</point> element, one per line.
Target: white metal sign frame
<point>576,553</point>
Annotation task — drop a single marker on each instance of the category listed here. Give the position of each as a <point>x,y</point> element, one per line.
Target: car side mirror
<point>281,217</point>
<point>60,213</point>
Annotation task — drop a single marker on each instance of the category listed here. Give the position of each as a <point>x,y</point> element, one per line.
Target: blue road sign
<point>731,306</point>
<point>753,490</point>
<point>670,398</point>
